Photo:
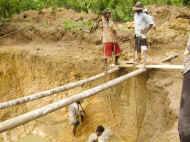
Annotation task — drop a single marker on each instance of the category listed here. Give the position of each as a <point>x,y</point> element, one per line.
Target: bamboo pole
<point>161,66</point>
<point>166,67</point>
<point>169,58</point>
<point>32,115</point>
<point>54,90</point>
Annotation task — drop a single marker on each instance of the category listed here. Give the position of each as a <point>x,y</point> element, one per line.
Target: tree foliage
<point>121,9</point>
<point>186,2</point>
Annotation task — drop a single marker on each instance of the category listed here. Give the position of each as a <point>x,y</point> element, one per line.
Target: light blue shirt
<point>142,21</point>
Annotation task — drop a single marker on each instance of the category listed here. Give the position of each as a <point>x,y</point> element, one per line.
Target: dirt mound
<point>63,24</point>
<point>49,25</point>
<point>173,25</point>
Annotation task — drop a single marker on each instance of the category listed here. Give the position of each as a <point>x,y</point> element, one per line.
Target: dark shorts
<point>139,41</point>
<point>111,48</point>
<point>184,116</point>
<point>76,123</point>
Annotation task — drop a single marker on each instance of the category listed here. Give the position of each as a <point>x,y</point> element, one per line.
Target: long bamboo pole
<point>161,66</point>
<point>32,115</point>
<point>166,67</point>
<point>54,90</point>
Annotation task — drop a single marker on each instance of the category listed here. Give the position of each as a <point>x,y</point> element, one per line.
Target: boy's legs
<point>82,117</point>
<point>144,48</point>
<point>117,52</point>
<point>75,126</point>
<point>137,49</point>
<point>144,54</point>
<point>78,119</point>
<point>105,64</point>
<point>138,56</point>
<point>107,53</point>
<point>116,60</point>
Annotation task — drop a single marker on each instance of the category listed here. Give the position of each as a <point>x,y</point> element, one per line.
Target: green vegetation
<point>71,25</point>
<point>121,8</point>
<point>186,2</point>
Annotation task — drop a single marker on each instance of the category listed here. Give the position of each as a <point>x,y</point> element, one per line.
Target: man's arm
<point>146,30</point>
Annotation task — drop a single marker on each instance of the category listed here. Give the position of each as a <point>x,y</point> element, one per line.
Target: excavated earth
<point>43,54</point>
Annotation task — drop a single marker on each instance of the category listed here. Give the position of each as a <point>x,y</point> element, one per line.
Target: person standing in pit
<point>109,37</point>
<point>143,24</point>
<point>101,135</point>
<point>184,116</point>
<point>76,115</point>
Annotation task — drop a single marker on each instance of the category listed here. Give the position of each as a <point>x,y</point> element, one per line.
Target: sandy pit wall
<point>144,108</point>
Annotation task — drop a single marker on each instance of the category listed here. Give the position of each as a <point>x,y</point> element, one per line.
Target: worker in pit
<point>109,38</point>
<point>143,24</point>
<point>184,116</point>
<point>101,135</point>
<point>76,115</point>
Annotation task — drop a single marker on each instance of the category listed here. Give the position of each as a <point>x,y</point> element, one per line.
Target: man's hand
<point>146,30</point>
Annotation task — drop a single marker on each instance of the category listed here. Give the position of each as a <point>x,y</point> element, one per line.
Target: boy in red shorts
<point>109,37</point>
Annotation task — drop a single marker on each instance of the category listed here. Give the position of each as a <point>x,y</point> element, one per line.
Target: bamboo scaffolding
<point>53,91</point>
<point>32,115</point>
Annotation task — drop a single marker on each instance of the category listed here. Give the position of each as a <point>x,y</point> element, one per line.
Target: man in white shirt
<point>76,115</point>
<point>101,135</point>
<point>143,24</point>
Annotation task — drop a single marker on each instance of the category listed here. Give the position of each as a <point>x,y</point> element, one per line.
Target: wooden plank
<point>161,66</point>
<point>54,90</point>
<point>32,115</point>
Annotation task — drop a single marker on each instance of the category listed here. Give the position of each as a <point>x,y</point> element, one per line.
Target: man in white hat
<point>143,24</point>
